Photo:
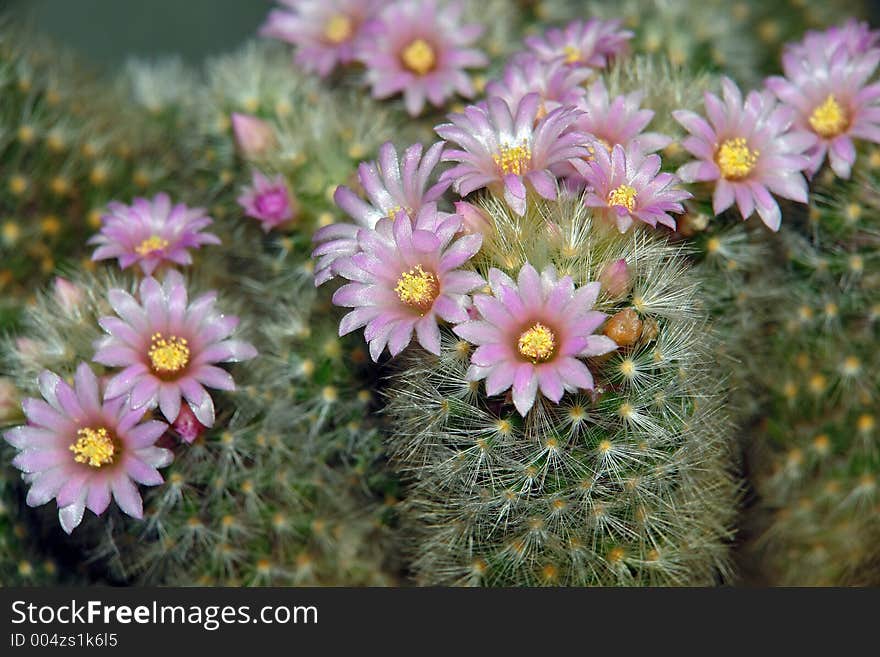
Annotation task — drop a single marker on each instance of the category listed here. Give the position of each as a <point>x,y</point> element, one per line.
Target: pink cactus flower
<point>268,201</point>
<point>532,334</point>
<point>151,233</point>
<point>81,448</point>
<point>406,280</point>
<point>750,151</point>
<point>169,349</point>
<point>592,44</point>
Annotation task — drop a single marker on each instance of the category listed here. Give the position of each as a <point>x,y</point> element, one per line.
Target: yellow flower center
<point>417,288</point>
<point>168,355</point>
<point>93,447</point>
<point>537,344</point>
<point>514,159</point>
<point>624,196</point>
<point>735,159</point>
<point>829,119</point>
<point>151,244</point>
<point>419,57</point>
<point>338,29</point>
<point>572,54</point>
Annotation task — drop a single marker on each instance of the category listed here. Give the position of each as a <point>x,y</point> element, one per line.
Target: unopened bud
<point>68,295</point>
<point>474,219</point>
<point>615,278</point>
<point>253,136</point>
<point>187,425</point>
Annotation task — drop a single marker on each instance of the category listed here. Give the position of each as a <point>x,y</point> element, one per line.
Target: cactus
<point>815,455</point>
<point>629,486</point>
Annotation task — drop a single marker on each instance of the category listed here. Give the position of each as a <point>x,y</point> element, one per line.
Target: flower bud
<point>615,278</point>
<point>253,136</point>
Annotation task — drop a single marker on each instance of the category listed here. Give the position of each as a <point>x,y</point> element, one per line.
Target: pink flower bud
<point>187,426</point>
<point>68,295</point>
<point>474,219</point>
<point>30,349</point>
<point>253,136</point>
<point>615,278</point>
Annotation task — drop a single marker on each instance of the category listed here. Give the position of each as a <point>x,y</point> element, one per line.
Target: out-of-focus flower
<point>150,233</point>
<point>268,201</point>
<point>406,280</point>
<point>592,44</point>
<point>169,348</point>
<point>557,84</point>
<point>531,335</point>
<point>832,100</point>
<point>326,32</point>
<point>749,150</point>
<point>854,37</point>
<point>80,448</point>
<point>627,185</point>
<point>253,137</point>
<point>503,148</point>
<point>391,185</point>
<point>421,49</point>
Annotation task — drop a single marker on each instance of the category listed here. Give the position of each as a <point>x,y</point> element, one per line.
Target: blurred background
<point>108,31</point>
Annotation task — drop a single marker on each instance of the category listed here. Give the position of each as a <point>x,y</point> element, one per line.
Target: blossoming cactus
<point>816,455</point>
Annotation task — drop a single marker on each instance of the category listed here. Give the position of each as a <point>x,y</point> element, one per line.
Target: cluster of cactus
<point>814,454</point>
<point>322,469</point>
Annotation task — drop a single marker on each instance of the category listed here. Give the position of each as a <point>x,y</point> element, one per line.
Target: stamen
<point>572,54</point>
<point>419,57</point>
<point>417,288</point>
<point>168,355</point>
<point>150,245</point>
<point>94,447</point>
<point>735,159</point>
<point>537,344</point>
<point>338,29</point>
<point>623,197</point>
<point>514,159</point>
<point>829,119</point>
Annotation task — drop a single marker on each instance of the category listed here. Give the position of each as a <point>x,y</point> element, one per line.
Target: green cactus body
<point>630,485</point>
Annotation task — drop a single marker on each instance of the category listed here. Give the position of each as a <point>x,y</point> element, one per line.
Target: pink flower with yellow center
<point>749,149</point>
<point>854,36</point>
<point>169,348</point>
<point>531,335</point>
<point>81,448</point>
<point>268,201</point>
<point>422,50</point>
<point>391,185</point>
<point>584,44</point>
<point>626,185</point>
<point>406,280</point>
<point>326,33</point>
<point>831,99</point>
<point>151,233</point>
<point>504,148</point>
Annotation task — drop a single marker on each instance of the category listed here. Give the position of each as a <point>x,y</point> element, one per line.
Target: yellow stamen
<point>419,57</point>
<point>417,288</point>
<point>93,447</point>
<point>572,54</point>
<point>537,344</point>
<point>624,196</point>
<point>168,355</point>
<point>514,159</point>
<point>338,29</point>
<point>151,244</point>
<point>735,159</point>
<point>829,119</point>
